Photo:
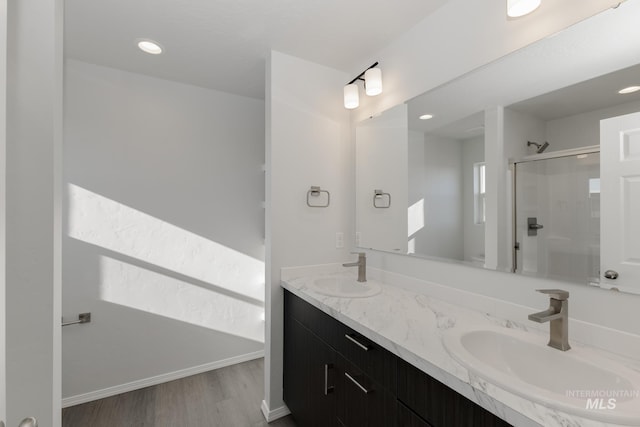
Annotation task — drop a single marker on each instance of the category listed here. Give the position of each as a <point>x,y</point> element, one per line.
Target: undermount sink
<point>345,287</point>
<point>580,381</point>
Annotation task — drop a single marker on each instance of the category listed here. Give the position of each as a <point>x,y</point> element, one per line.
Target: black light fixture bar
<point>362,74</point>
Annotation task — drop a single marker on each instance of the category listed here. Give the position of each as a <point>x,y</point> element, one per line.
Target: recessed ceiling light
<point>517,8</point>
<point>149,46</point>
<point>426,117</point>
<point>629,89</point>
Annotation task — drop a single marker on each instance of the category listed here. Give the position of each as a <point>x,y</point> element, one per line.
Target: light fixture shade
<point>517,8</point>
<point>373,81</point>
<point>351,96</point>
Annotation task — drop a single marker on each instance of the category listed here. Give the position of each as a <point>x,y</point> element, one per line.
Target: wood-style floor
<point>227,397</point>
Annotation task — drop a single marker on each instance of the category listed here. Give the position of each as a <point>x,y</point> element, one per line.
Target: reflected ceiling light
<point>372,78</point>
<point>629,89</point>
<point>150,46</point>
<point>426,117</point>
<point>517,8</point>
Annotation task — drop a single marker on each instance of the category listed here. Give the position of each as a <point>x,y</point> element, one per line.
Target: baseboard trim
<point>272,415</point>
<point>158,379</point>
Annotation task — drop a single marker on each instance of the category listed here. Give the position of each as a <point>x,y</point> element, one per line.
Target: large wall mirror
<point>501,168</point>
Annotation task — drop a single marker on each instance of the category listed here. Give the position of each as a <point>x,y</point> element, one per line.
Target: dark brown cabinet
<point>334,376</point>
<point>363,401</point>
<point>309,380</point>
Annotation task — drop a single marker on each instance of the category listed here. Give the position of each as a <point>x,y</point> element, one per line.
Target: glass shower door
<point>557,218</point>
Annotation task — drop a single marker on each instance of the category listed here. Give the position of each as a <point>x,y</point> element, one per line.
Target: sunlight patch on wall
<point>155,293</point>
<point>106,223</point>
<point>415,217</point>
<point>411,249</point>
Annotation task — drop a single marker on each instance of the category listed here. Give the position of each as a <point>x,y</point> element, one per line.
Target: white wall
<point>443,233</point>
<point>308,143</point>
<point>472,153</point>
<point>381,163</point>
<point>441,197</point>
<point>518,129</point>
<point>163,229</point>
<point>583,129</point>
<point>33,148</point>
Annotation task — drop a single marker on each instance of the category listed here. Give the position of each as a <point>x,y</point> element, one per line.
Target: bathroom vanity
<point>335,376</point>
<point>396,355</point>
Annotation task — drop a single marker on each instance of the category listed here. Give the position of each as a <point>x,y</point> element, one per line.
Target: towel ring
<point>315,192</point>
<point>379,195</point>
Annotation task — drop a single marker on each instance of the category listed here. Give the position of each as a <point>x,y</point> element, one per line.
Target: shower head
<point>540,147</point>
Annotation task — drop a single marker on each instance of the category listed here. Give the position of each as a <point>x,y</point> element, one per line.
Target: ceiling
<point>590,95</point>
<point>223,44</point>
<point>600,53</point>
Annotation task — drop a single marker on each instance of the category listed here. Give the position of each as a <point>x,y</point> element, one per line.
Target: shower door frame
<point>591,149</point>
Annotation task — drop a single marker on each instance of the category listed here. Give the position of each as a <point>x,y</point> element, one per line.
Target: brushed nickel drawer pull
<point>360,386</point>
<point>327,388</point>
<point>356,342</point>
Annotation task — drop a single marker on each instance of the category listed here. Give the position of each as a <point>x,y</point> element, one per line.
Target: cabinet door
<point>309,377</point>
<point>295,369</point>
<point>361,401</point>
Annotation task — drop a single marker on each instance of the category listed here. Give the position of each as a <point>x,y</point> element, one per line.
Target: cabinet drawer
<point>407,418</point>
<point>362,402</point>
<point>374,361</point>
<point>439,405</point>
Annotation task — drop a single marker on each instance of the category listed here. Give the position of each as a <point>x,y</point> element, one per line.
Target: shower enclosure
<point>557,215</point>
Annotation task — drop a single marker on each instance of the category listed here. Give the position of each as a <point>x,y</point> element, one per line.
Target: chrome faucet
<point>361,264</point>
<point>558,317</point>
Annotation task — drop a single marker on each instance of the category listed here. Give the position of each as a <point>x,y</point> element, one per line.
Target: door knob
<point>610,274</point>
<point>29,422</point>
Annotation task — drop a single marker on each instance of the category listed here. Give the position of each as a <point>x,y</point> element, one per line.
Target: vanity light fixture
<point>149,46</point>
<point>372,78</point>
<point>518,8</point>
<point>351,96</point>
<point>629,89</point>
<point>373,81</point>
<point>426,117</point>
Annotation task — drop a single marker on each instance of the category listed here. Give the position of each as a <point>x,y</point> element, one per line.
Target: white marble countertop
<point>411,325</point>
